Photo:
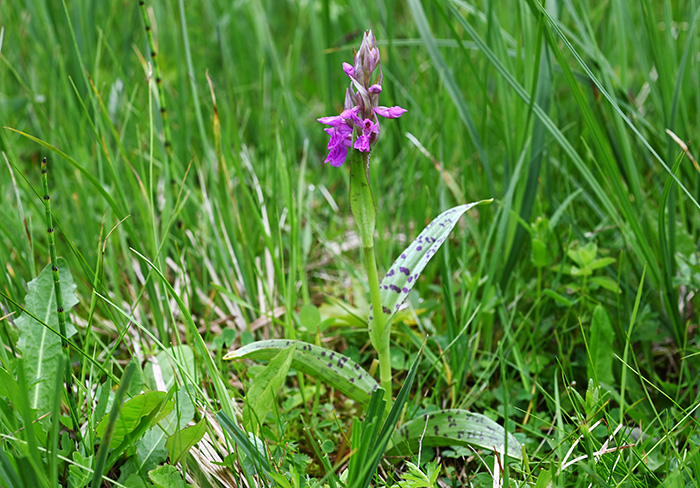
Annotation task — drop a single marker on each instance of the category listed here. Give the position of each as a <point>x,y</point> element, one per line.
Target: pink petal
<point>390,112</point>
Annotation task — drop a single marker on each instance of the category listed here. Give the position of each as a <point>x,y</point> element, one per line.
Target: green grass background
<point>558,111</point>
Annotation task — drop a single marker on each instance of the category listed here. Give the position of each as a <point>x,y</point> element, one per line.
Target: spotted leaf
<point>334,369</point>
<point>454,427</point>
<point>404,273</point>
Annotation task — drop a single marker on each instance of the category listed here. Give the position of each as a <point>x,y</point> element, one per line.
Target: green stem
<point>380,341</point>
<point>364,211</point>
<point>59,299</point>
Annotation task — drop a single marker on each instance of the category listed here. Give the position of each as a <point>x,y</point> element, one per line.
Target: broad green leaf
<point>150,450</point>
<point>560,299</point>
<point>310,317</point>
<point>605,282</point>
<point>260,398</point>
<point>404,273</point>
<point>601,263</point>
<point>167,476</point>
<point>133,412</point>
<point>455,427</point>
<point>182,413</point>
<point>80,470</point>
<point>601,347</point>
<point>164,361</point>
<point>332,368</point>
<point>8,385</point>
<point>182,441</point>
<point>40,347</point>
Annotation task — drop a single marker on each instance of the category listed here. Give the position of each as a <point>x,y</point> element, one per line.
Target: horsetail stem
<point>159,86</point>
<point>59,298</point>
<point>52,254</point>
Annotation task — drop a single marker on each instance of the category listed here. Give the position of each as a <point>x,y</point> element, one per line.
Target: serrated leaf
<point>260,398</point>
<point>455,427</point>
<point>40,347</point>
<point>182,441</point>
<point>133,412</point>
<point>334,369</point>
<point>404,273</point>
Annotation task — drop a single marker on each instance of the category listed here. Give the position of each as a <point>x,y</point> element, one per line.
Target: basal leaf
<point>167,476</point>
<point>133,412</point>
<point>334,369</point>
<point>454,427</point>
<point>40,347</point>
<point>182,441</point>
<point>150,450</point>
<point>602,337</point>
<point>404,273</point>
<point>261,396</point>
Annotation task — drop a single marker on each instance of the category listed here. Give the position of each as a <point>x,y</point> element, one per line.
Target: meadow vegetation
<point>193,218</point>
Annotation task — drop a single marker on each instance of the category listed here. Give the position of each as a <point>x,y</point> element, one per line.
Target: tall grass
<point>216,223</point>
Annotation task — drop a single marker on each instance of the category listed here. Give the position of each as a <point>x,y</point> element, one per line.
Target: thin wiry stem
<point>59,298</point>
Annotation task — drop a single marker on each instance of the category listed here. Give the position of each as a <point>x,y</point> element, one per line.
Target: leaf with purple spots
<point>334,369</point>
<point>455,427</point>
<point>402,275</point>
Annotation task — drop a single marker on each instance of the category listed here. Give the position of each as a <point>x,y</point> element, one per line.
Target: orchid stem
<point>364,211</point>
<point>382,346</point>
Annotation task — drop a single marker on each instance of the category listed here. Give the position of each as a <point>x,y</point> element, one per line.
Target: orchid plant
<point>359,122</point>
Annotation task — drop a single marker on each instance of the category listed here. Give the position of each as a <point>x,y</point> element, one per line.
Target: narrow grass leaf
<point>112,419</point>
<point>334,369</point>
<point>455,427</point>
<point>40,347</point>
<point>374,442</point>
<point>244,443</point>
<point>404,273</point>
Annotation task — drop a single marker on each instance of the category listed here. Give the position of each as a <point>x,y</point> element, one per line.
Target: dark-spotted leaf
<point>332,368</point>
<point>182,441</point>
<point>133,412</point>
<point>260,398</point>
<point>40,346</point>
<point>454,427</point>
<point>404,273</point>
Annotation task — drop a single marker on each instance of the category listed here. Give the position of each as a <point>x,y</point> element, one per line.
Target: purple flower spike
<point>390,112</point>
<point>361,105</point>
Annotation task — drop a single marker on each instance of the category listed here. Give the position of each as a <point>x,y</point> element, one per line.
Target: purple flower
<point>369,129</point>
<point>361,105</point>
<point>341,139</point>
